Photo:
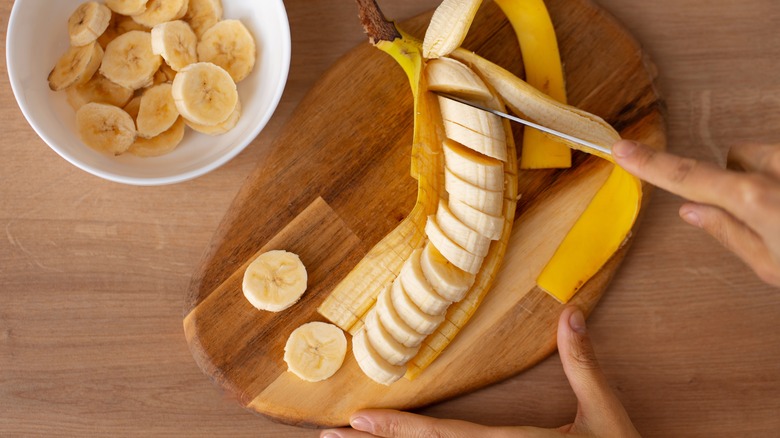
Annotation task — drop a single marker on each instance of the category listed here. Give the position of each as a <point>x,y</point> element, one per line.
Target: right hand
<point>739,207</point>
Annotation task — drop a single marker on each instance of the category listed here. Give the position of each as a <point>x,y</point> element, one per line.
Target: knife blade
<point>550,131</point>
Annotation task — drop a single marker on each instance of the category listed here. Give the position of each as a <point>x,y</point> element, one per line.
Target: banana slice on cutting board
<point>373,365</point>
<point>127,7</point>
<point>230,45</point>
<point>448,280</point>
<point>275,280</point>
<point>161,11</point>
<point>176,42</point>
<point>100,90</point>
<point>460,233</point>
<point>385,344</point>
<point>315,351</point>
<point>485,224</point>
<point>76,66</point>
<point>157,112</point>
<point>105,128</point>
<point>450,250</point>
<point>160,144</point>
<point>129,60</point>
<point>448,26</point>
<point>202,14</point>
<point>412,315</point>
<point>393,323</point>
<point>87,23</point>
<point>205,93</point>
<point>419,289</point>
<point>488,201</point>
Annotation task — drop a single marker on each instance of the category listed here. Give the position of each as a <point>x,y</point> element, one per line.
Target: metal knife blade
<point>550,131</point>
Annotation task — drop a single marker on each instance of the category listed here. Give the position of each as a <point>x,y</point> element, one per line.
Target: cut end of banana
<point>160,11</point>
<point>315,351</point>
<point>105,128</point>
<point>412,315</point>
<point>230,45</point>
<point>205,93</point>
<point>372,364</point>
<point>447,279</point>
<point>129,60</point>
<point>274,281</point>
<point>127,7</point>
<point>99,90</point>
<point>419,289</point>
<point>87,23</point>
<point>157,112</point>
<point>450,76</point>
<point>176,42</point>
<point>202,14</point>
<point>460,233</point>
<point>450,23</point>
<point>220,128</point>
<point>76,66</point>
<point>453,252</point>
<point>393,322</point>
<point>160,144</point>
<point>471,166</point>
<point>487,201</point>
<point>385,343</point>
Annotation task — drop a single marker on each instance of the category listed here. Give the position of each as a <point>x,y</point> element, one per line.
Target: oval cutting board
<point>338,180</point>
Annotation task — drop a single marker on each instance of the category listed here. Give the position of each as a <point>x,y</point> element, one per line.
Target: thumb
<point>598,406</point>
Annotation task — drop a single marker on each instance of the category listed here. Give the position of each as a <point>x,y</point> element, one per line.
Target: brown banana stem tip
<point>376,26</point>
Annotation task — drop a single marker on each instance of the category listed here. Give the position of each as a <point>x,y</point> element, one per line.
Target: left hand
<point>599,411</point>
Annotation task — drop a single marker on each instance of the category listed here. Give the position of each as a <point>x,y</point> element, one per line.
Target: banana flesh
<point>465,237</point>
<point>161,11</point>
<point>100,90</point>
<point>87,23</point>
<point>219,128</point>
<point>448,27</point>
<point>372,364</point>
<point>419,289</point>
<point>157,111</point>
<point>105,127</point>
<point>76,66</point>
<point>393,323</point>
<point>473,167</point>
<point>274,281</point>
<point>160,144</point>
<point>315,351</point>
<point>127,7</point>
<point>385,344</point>
<point>202,14</point>
<point>447,75</point>
<point>204,93</point>
<point>129,60</point>
<point>176,42</point>
<point>449,281</point>
<point>230,45</point>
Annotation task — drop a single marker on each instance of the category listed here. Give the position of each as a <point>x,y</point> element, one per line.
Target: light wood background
<point>92,273</point>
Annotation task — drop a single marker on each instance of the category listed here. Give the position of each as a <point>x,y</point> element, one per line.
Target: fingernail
<point>577,321</point>
<point>362,424</point>
<point>691,217</point>
<point>624,148</point>
<point>331,435</point>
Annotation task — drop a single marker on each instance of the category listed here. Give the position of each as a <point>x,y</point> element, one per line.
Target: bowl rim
<point>16,87</point>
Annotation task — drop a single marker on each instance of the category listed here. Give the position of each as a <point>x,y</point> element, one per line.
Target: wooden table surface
<point>93,273</point>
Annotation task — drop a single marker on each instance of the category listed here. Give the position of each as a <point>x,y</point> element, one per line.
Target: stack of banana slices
<point>137,72</point>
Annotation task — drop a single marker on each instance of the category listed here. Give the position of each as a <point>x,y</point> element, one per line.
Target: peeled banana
<point>448,27</point>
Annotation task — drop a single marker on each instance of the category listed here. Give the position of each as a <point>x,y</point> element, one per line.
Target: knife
<point>550,131</point>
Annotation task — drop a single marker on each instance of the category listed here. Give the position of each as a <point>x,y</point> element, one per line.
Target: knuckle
<point>752,191</point>
<point>682,170</point>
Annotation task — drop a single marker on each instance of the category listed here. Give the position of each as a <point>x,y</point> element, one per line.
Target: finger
<point>599,408</point>
<point>744,195</point>
<point>761,158</point>
<point>735,236</point>
<point>344,433</point>
<point>394,424</point>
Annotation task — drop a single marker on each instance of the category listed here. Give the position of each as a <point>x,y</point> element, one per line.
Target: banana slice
<point>385,344</point>
<point>76,66</point>
<point>460,233</point>
<point>118,25</point>
<point>157,112</point>
<point>160,11</point>
<point>275,280</point>
<point>474,128</point>
<point>133,106</point>
<point>412,315</point>
<point>393,323</point>
<point>205,93</point>
<point>419,289</point>
<point>129,60</point>
<point>202,14</point>
<point>451,250</point>
<point>448,280</point>
<point>315,351</point>
<point>487,225</point>
<point>220,128</point>
<point>487,201</point>
<point>161,144</point>
<point>372,364</point>
<point>127,7</point>
<point>229,45</point>
<point>176,43</point>
<point>105,128</point>
<point>450,23</point>
<point>450,76</point>
<point>471,166</point>
<point>87,23</point>
<point>100,90</point>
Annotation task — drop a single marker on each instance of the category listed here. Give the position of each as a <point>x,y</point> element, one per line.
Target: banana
<point>460,233</point>
<point>275,280</point>
<point>448,280</point>
<point>76,66</point>
<point>205,93</point>
<point>220,128</point>
<point>157,112</point>
<point>453,252</point>
<point>393,323</point>
<point>87,23</point>
<point>133,106</point>
<point>487,201</point>
<point>160,11</point>
<point>129,60</point>
<point>176,43</point>
<point>202,14</point>
<point>385,344</point>
<point>105,128</point>
<point>118,25</point>
<point>453,77</point>
<point>230,45</point>
<point>419,289</point>
<point>161,144</point>
<point>471,166</point>
<point>98,89</point>
<point>412,315</point>
<point>127,7</point>
<point>474,128</point>
<point>315,351</point>
<point>372,364</point>
<point>485,224</point>
<point>450,23</point>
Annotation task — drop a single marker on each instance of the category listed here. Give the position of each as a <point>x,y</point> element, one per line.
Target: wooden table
<point>93,273</point>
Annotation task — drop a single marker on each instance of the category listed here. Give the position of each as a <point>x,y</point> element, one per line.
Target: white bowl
<point>37,37</point>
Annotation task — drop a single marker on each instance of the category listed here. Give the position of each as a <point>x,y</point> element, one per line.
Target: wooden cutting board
<point>337,181</point>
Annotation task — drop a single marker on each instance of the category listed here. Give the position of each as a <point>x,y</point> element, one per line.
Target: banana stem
<point>376,26</point>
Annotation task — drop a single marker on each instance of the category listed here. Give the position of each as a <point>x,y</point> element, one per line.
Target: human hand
<point>599,412</point>
<point>739,206</point>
